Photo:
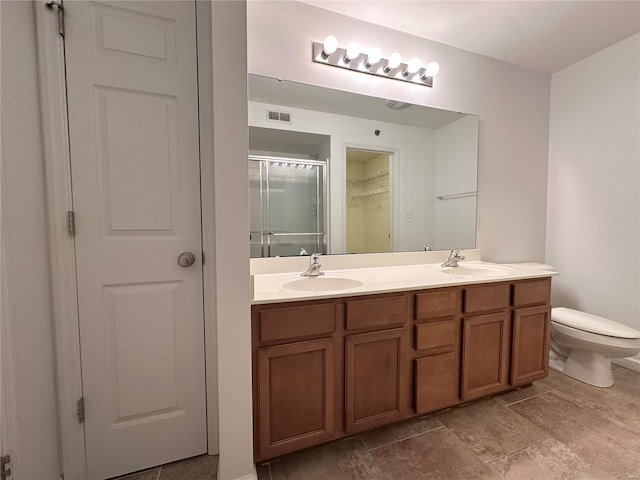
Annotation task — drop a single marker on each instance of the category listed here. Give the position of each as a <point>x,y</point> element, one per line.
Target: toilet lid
<point>592,323</point>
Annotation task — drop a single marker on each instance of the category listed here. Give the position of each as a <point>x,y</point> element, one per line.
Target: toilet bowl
<point>582,345</point>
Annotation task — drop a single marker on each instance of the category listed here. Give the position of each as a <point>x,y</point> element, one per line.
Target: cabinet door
<point>530,340</point>
<point>376,379</point>
<point>296,396</point>
<point>485,355</point>
<point>436,378</point>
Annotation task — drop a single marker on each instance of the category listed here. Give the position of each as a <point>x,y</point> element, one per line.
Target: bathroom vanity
<point>327,364</point>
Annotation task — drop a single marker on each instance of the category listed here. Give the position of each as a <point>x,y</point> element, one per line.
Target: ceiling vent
<point>282,117</point>
<point>396,105</point>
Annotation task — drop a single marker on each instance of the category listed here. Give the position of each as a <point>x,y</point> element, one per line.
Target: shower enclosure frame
<point>266,233</point>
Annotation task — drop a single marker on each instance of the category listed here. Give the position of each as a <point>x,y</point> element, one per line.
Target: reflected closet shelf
<point>372,176</point>
<point>376,191</point>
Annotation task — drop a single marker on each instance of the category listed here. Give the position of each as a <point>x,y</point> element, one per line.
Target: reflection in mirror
<point>368,215</point>
<point>336,172</point>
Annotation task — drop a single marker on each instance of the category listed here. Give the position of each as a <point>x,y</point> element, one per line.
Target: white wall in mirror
<point>456,180</point>
<point>426,162</point>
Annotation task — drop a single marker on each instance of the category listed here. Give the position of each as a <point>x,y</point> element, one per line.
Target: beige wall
<point>368,218</point>
<point>376,207</point>
<point>355,212</point>
<point>27,321</point>
<point>512,103</point>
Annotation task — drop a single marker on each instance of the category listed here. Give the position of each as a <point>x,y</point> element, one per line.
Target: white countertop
<point>276,287</point>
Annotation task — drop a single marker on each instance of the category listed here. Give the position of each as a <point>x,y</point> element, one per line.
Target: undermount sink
<point>322,284</point>
<point>478,270</point>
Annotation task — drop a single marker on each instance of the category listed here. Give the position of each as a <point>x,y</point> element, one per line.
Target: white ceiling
<point>546,36</point>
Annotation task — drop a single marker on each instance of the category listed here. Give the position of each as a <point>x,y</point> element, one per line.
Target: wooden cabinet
<point>530,330</point>
<point>437,343</point>
<point>485,340</point>
<point>375,370</point>
<point>530,344</point>
<point>436,378</point>
<point>485,355</point>
<point>296,396</point>
<point>329,368</point>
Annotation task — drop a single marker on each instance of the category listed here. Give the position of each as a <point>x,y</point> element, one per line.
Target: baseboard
<point>632,363</point>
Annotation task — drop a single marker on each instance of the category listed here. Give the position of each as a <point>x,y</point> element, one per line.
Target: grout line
<point>159,472</point>
<point>364,443</point>
<point>520,449</point>
<point>528,398</point>
<point>486,462</point>
<point>269,469</point>
<point>403,439</point>
<point>465,446</point>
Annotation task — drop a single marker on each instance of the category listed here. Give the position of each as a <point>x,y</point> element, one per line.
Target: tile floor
<point>558,428</point>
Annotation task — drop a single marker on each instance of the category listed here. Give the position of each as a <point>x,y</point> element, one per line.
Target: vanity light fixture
<point>432,69</point>
<point>329,46</point>
<point>371,61</point>
<point>353,52</point>
<point>373,57</point>
<point>395,60</point>
<point>412,67</point>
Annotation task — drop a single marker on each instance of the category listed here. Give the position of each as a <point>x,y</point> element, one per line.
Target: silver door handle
<point>186,259</point>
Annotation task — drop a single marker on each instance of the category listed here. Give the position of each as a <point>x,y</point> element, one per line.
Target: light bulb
<point>330,45</point>
<point>412,67</point>
<point>373,57</point>
<point>353,51</point>
<point>432,69</point>
<point>395,59</point>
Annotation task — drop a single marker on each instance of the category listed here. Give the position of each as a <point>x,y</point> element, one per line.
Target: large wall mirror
<point>337,172</point>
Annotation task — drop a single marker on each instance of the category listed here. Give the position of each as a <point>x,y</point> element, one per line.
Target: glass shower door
<point>287,206</point>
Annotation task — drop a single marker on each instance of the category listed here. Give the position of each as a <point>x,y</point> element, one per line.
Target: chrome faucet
<point>314,267</point>
<point>454,258</point>
<point>303,252</point>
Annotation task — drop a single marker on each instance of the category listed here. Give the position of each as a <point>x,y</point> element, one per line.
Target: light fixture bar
<point>360,63</point>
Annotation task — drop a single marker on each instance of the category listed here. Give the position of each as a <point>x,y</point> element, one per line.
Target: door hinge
<point>58,4</point>
<point>5,467</point>
<point>80,410</point>
<point>71,223</point>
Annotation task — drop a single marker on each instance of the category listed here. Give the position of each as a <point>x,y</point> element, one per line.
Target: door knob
<point>186,259</point>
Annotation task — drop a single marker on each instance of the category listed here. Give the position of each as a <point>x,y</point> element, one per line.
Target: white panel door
<point>133,127</point>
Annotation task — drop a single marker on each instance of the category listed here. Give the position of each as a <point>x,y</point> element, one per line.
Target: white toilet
<point>582,345</point>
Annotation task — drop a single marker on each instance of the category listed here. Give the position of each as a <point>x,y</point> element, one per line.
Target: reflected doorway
<point>368,218</point>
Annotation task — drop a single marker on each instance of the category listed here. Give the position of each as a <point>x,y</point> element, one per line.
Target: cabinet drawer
<point>532,292</point>
<point>436,335</point>
<point>482,299</point>
<point>436,304</point>
<point>296,322</point>
<point>377,312</point>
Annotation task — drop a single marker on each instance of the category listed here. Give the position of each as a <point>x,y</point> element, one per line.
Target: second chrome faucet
<point>314,267</point>
<point>454,258</point>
